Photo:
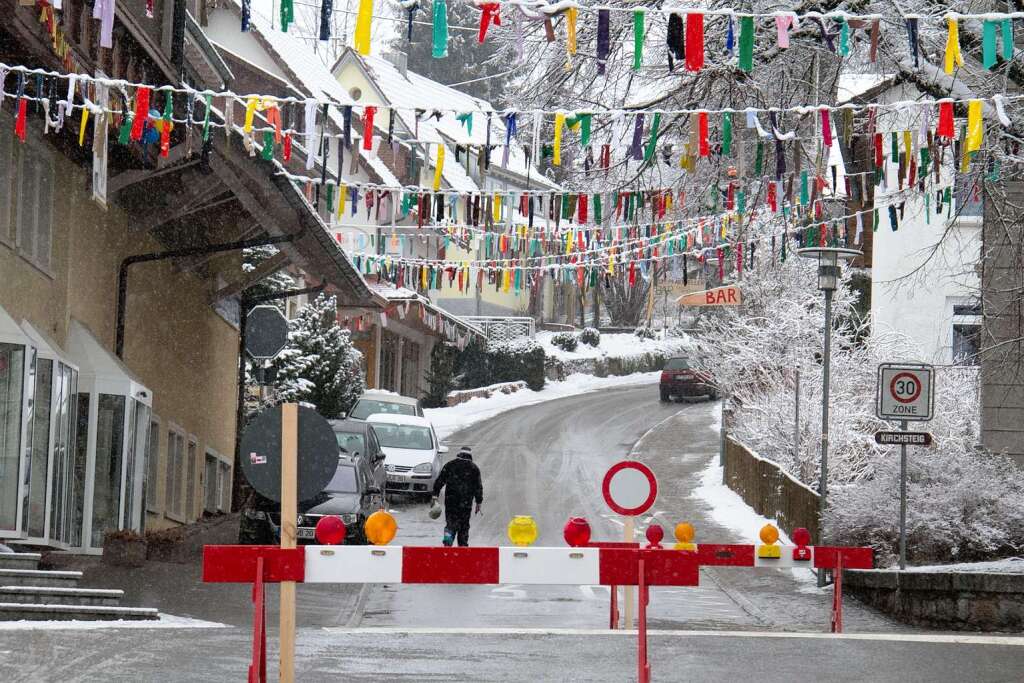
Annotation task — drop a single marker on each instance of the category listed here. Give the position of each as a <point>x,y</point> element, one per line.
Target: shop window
<point>190,487</point>
<point>153,467</point>
<point>106,496</point>
<point>12,371</point>
<point>175,474</point>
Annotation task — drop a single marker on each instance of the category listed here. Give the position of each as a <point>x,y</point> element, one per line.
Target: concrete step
<point>48,595</point>
<point>19,560</point>
<point>39,577</point>
<point>15,611</point>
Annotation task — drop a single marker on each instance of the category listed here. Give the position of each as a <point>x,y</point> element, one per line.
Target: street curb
<point>360,605</point>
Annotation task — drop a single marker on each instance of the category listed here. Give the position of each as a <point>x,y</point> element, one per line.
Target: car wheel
<point>665,397</point>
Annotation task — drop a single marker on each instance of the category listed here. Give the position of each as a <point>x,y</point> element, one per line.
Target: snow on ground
<point>1010,565</point>
<point>165,621</point>
<point>614,345</point>
<point>447,421</point>
<point>729,510</point>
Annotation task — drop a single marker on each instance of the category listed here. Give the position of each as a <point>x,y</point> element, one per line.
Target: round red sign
<point>905,387</point>
<point>629,488</point>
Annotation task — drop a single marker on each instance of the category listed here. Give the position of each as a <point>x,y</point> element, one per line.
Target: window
<point>35,511</point>
<point>404,436</point>
<point>677,364</point>
<point>966,344</point>
<point>972,308</point>
<point>351,442</point>
<point>968,203</point>
<point>153,467</point>
<point>175,474</point>
<point>365,407</point>
<point>224,472</point>
<point>35,205</point>
<point>190,488</point>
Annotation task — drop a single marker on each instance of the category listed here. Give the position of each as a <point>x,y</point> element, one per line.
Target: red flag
<point>368,113</point>
<point>702,133</point>
<point>19,122</point>
<point>946,128</point>
<point>288,147</point>
<point>488,11</point>
<point>694,42</point>
<point>141,112</point>
<point>581,203</point>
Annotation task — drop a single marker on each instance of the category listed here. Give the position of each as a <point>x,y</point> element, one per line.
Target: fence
<point>500,329</point>
<point>770,490</point>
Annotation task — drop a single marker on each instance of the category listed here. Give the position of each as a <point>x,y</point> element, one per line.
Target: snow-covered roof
<point>414,91</point>
<point>391,294</point>
<point>853,85</point>
<point>304,67</point>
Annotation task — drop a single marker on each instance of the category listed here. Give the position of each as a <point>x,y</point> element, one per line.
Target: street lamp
<point>828,280</point>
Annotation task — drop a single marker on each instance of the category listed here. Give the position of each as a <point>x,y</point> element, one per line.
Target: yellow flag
<point>496,208</point>
<point>438,167</point>
<point>570,31</point>
<point>975,127</point>
<point>953,56</point>
<point>250,112</point>
<point>81,126</point>
<point>559,122</point>
<point>363,22</point>
<point>342,199</point>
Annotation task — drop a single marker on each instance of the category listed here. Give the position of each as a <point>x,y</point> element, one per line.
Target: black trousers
<point>456,523</point>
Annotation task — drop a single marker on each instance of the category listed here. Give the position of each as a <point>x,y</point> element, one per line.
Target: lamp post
<point>828,280</point>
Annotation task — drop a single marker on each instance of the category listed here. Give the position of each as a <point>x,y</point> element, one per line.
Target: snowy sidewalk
<point>686,463</point>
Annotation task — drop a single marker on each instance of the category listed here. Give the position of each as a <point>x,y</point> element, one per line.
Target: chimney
<point>400,60</point>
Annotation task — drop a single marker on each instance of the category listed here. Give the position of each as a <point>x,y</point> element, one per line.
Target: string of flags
<point>685,30</point>
<point>636,262</point>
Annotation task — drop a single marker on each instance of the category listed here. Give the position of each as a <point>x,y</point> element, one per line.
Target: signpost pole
<point>903,499</point>
<point>289,512</point>
<point>823,483</point>
<point>627,591</point>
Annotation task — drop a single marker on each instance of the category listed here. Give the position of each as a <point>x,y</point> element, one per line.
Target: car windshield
<point>404,436</point>
<point>351,442</point>
<point>366,407</point>
<point>677,364</point>
<point>343,481</point>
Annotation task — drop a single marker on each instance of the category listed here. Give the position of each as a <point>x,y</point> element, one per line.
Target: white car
<point>412,454</point>
<point>386,402</point>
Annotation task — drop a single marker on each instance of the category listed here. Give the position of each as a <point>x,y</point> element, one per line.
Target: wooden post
<point>289,513</point>
<point>627,591</point>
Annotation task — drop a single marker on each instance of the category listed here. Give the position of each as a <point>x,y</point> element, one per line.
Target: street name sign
<point>906,391</point>
<point>729,295</point>
<point>903,438</point>
<point>630,488</point>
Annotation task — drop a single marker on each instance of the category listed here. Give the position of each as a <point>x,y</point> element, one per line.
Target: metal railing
<point>501,328</point>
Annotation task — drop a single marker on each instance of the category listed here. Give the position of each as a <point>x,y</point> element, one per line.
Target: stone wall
<point>457,397</point>
<point>961,601</point>
<point>1002,282</point>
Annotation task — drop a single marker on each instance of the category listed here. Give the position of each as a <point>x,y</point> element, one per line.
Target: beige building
<point>120,281</point>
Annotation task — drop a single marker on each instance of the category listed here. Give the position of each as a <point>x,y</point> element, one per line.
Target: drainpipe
<point>122,274</point>
<point>248,302</point>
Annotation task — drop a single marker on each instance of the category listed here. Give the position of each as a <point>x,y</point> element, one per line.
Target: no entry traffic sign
<point>630,488</point>
<point>905,391</point>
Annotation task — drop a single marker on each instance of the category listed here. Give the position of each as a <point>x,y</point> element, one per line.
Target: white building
<point>924,281</point>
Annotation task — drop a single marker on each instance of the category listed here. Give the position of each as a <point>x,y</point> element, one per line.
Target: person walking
<point>460,479</point>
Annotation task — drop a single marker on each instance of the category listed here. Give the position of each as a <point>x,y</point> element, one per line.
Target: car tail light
<point>665,375</point>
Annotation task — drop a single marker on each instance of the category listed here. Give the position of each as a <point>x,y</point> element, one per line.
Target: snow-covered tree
<point>278,281</point>
<point>320,365</point>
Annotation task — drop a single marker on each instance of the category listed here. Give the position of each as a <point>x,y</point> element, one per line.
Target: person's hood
<point>406,457</point>
<point>465,456</point>
<point>336,504</point>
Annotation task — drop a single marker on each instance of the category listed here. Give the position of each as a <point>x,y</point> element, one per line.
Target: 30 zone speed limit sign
<point>905,391</point>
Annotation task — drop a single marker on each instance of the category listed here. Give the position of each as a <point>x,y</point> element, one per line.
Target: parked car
<point>352,494</point>
<point>679,379</point>
<point>358,444</point>
<point>385,402</point>
<point>412,454</point>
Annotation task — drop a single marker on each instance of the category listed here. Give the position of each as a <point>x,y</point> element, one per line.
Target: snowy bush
<point>440,376</point>
<point>567,341</point>
<point>590,336</point>
<point>320,365</point>
<point>644,333</point>
<point>522,359</point>
<point>963,504</point>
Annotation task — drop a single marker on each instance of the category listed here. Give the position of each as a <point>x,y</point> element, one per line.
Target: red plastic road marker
<point>630,488</point>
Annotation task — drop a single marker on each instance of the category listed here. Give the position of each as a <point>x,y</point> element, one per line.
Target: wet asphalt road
<point>545,460</point>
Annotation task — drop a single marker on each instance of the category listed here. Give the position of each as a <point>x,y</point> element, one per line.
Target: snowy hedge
<point>963,503</point>
<point>480,365</point>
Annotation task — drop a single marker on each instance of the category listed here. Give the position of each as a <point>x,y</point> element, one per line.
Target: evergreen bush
<point>590,336</point>
<point>644,333</point>
<point>566,341</point>
<point>440,376</point>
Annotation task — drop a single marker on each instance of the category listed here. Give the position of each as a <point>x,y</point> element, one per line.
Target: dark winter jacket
<point>460,479</point>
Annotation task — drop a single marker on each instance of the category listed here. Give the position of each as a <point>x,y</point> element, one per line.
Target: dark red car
<point>678,379</point>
